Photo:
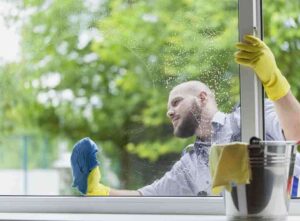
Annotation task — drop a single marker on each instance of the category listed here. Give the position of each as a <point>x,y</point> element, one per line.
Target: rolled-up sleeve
<point>273,128</point>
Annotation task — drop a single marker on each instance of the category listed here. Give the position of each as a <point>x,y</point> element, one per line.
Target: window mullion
<point>251,90</point>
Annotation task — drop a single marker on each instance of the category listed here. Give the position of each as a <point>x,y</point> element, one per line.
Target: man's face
<point>184,112</point>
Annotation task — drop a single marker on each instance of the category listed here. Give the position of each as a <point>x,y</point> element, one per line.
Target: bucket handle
<point>254,147</point>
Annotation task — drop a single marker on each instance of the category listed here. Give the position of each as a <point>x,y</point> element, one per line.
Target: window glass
<point>104,70</point>
<point>281,34</point>
<point>281,22</point>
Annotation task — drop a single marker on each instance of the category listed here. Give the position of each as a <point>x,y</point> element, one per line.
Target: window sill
<point>112,217</point>
<point>113,205</point>
<point>209,206</point>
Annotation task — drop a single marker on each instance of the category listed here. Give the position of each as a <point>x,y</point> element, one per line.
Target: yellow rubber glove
<point>255,54</point>
<point>94,187</point>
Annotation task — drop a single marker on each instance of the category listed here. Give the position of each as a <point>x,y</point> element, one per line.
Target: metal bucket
<point>267,196</point>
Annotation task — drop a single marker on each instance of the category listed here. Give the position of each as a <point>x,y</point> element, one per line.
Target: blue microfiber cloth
<point>83,160</point>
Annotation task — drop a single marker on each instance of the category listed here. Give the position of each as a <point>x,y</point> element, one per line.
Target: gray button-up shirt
<point>190,175</point>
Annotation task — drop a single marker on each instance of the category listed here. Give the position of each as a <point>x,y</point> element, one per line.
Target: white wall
<point>39,182</point>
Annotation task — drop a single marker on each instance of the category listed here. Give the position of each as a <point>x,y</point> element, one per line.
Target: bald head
<point>193,88</point>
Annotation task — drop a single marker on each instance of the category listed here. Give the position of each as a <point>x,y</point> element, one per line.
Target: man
<point>193,111</point>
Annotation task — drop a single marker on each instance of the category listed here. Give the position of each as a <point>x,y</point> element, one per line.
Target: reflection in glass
<point>104,69</point>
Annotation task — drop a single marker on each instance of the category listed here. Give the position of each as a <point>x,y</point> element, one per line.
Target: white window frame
<point>251,89</point>
<point>251,93</point>
<point>121,205</point>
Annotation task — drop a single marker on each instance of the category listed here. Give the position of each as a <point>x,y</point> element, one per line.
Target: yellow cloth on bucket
<point>229,163</point>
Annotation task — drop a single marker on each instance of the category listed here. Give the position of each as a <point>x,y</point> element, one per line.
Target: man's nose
<point>170,113</point>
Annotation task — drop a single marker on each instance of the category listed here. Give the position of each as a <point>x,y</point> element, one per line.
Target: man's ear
<point>203,97</point>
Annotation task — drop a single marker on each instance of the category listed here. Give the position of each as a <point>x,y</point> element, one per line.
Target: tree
<point>105,72</point>
<point>281,32</point>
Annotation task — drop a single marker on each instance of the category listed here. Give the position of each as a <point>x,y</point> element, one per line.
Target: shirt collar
<point>201,149</point>
<point>219,119</point>
<point>217,122</point>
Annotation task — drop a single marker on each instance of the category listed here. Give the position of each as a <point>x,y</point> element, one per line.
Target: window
<point>104,69</point>
<point>281,35</point>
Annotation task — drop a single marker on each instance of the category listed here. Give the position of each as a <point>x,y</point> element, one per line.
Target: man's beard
<point>189,123</point>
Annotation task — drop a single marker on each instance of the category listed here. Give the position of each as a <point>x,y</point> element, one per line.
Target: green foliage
<point>282,34</point>
<point>34,151</point>
<point>106,71</point>
<point>152,150</point>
